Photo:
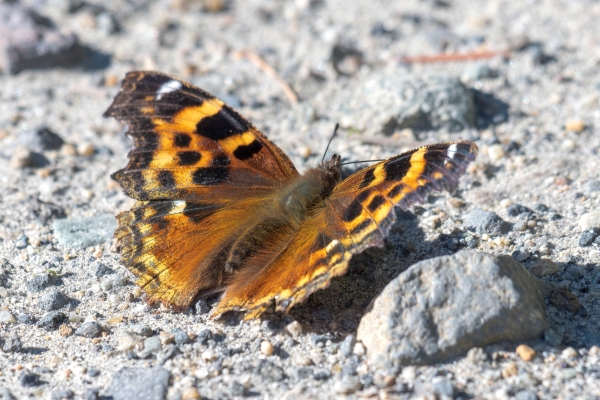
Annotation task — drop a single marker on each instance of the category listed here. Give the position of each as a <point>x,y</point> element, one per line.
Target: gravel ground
<point>72,324</point>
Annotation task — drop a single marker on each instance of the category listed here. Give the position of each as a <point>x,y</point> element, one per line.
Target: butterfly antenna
<point>361,161</point>
<point>337,126</point>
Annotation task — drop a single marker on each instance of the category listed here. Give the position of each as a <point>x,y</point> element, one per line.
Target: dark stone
<point>62,394</point>
<point>52,320</point>
<point>442,387</point>
<point>40,139</point>
<point>321,375</point>
<point>588,237</point>
<point>481,221</point>
<point>139,383</point>
<point>93,372</point>
<point>561,298</point>
<point>269,371</point>
<point>237,389</point>
<point>30,40</point>
<point>29,380</point>
<point>90,329</point>
<point>101,270</point>
<point>21,242</point>
<point>91,394</point>
<point>201,307</point>
<point>541,208</point>
<point>54,300</point>
<point>443,307</point>
<point>172,352</point>
<point>181,337</point>
<point>514,210</point>
<point>12,344</point>
<point>204,336</point>
<point>39,282</point>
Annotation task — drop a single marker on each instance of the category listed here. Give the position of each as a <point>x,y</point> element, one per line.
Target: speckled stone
<point>139,383</point>
<point>444,306</point>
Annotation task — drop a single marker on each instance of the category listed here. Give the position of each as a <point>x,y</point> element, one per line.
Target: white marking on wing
<point>168,87</point>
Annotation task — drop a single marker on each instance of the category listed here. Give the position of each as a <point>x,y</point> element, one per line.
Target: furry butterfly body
<point>221,208</point>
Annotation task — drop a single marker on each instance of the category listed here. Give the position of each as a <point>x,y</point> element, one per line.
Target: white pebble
<point>267,348</point>
<point>209,355</point>
<point>569,353</point>
<point>589,220</point>
<point>7,318</point>
<point>294,328</point>
<point>495,152</point>
<point>409,374</point>
<point>359,349</point>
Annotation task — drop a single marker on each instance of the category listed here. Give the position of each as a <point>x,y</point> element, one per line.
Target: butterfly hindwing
<point>357,215</point>
<point>189,144</point>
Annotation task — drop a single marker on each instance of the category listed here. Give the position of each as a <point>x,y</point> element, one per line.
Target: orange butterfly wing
<point>196,168</point>
<point>357,215</point>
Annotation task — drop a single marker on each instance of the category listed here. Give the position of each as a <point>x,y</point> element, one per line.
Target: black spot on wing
<point>396,168</point>
<point>224,124</point>
<point>352,211</point>
<point>166,179</point>
<point>141,159</point>
<point>368,178</point>
<point>245,152</point>
<point>395,190</point>
<point>182,140</point>
<point>210,176</point>
<point>375,203</point>
<point>220,160</point>
<point>188,157</point>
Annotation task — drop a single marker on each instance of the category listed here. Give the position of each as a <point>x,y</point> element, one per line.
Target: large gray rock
<point>384,103</point>
<point>440,308</point>
<point>84,232</point>
<point>139,384</point>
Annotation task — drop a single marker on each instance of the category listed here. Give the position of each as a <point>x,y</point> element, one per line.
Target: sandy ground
<point>539,146</point>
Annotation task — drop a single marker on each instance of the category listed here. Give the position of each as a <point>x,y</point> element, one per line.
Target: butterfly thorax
<point>311,189</point>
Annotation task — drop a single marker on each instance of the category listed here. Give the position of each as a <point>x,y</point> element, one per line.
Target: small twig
<point>270,71</point>
<point>450,57</point>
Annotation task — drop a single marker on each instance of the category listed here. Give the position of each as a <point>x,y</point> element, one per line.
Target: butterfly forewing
<point>189,144</point>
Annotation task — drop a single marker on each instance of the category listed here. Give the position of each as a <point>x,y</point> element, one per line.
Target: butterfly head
<point>332,174</point>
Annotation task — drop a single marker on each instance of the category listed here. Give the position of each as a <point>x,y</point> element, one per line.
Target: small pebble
<point>495,152</point>
<point>201,307</point>
<point>90,329</point>
<point>347,384</point>
<point>152,345</point>
<point>455,202</point>
<point>569,353</point>
<point>209,355</point>
<point>409,373</point>
<point>85,149</point>
<point>589,220</point>
<point>294,328</point>
<point>520,255</point>
<point>166,338</point>
<point>21,158</point>
<point>7,318</point>
<point>525,352</point>
<point>140,329</point>
<point>588,237</point>
<point>544,267</point>
<point>191,394</point>
<point>575,125</point>
<point>569,373</point>
<point>65,330</point>
<point>12,344</point>
<point>267,348</point>
<point>359,349</point>
<point>510,369</point>
<point>552,337</point>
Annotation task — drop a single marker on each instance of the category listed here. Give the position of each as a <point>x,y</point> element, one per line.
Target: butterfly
<point>220,208</point>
